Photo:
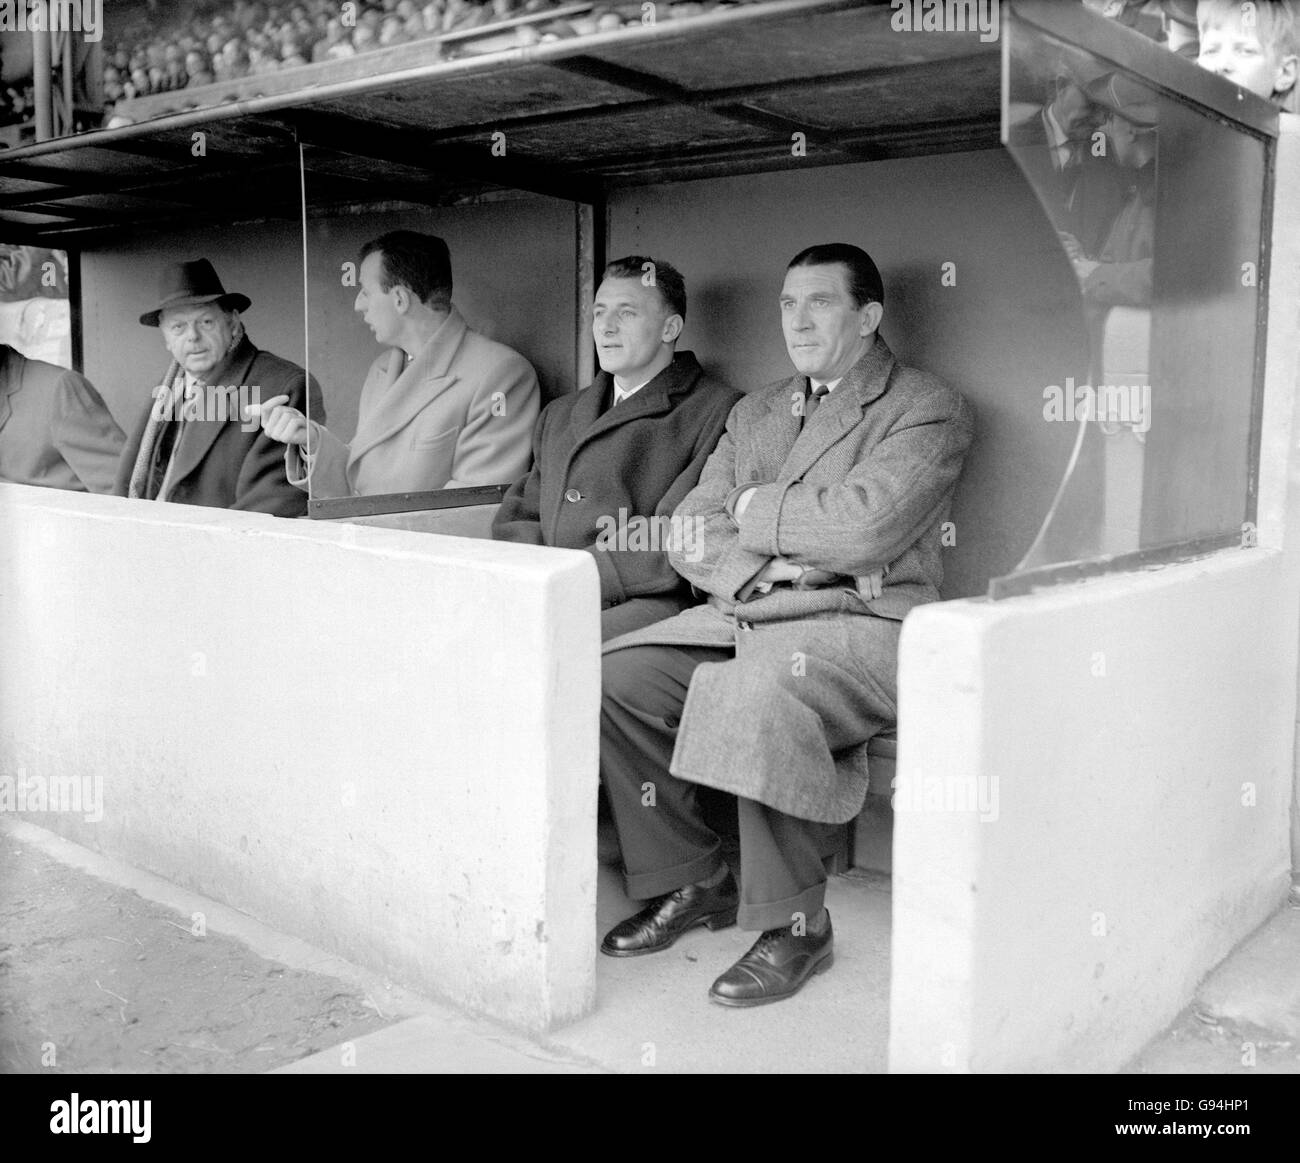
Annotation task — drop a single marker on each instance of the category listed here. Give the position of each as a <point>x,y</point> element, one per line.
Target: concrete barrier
<point>1093,809</point>
<point>381,741</point>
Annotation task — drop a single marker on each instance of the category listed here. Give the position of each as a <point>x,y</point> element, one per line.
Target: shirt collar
<point>1060,144</point>
<point>621,394</point>
<point>829,385</point>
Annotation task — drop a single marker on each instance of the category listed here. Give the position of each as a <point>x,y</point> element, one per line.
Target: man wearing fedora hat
<point>193,445</point>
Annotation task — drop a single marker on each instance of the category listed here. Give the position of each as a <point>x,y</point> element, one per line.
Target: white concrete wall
<point>381,741</point>
<point>1279,520</point>
<point>1129,739</point>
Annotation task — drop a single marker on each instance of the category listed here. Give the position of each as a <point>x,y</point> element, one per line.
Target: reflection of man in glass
<point>1053,147</point>
<point>1118,271</point>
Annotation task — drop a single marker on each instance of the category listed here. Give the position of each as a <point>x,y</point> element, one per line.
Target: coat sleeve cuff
<point>761,520</point>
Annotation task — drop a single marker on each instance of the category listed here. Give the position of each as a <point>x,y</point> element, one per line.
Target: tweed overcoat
<point>861,491</point>
<point>608,479</point>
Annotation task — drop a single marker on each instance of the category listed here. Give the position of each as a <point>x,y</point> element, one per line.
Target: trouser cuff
<point>781,914</point>
<point>644,885</point>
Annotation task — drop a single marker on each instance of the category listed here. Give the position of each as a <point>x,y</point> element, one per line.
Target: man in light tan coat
<point>444,407</point>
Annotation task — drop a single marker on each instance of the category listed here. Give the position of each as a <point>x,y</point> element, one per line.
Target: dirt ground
<point>96,979</point>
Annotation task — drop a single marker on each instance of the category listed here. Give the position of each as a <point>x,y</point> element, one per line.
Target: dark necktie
<point>815,397</point>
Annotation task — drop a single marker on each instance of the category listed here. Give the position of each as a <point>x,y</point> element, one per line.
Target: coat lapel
<point>592,419</point>
<point>864,382</point>
<point>400,395</point>
<point>198,436</point>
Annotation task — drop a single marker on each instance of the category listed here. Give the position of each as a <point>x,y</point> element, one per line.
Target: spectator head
<point>1131,116</point>
<point>1253,45</point>
<point>391,31</point>
<point>1070,107</point>
<point>363,38</point>
<point>196,62</point>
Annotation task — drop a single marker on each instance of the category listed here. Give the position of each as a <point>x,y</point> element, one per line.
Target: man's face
<point>198,337</point>
<point>1073,111</point>
<point>1123,136</point>
<point>375,305</point>
<point>1230,46</point>
<point>825,333</point>
<point>630,324</point>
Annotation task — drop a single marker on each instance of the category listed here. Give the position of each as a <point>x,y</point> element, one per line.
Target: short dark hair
<point>667,279</point>
<point>420,262</point>
<point>864,279</point>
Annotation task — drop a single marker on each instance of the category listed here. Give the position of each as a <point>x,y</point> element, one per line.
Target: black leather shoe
<point>775,968</point>
<point>666,918</point>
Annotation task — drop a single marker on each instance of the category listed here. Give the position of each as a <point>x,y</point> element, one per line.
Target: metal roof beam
<point>401,147</point>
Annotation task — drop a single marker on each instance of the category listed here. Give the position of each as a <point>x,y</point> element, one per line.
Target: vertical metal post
<point>69,108</point>
<point>584,357</point>
<point>41,82</point>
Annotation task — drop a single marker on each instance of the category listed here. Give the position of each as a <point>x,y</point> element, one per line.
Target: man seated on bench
<point>817,521</point>
<point>611,462</point>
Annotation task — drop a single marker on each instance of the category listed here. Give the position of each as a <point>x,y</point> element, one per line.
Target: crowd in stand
<point>224,41</point>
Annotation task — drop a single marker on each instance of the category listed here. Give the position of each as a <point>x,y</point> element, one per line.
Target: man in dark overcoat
<point>611,462</point>
<point>196,443</point>
<point>819,516</point>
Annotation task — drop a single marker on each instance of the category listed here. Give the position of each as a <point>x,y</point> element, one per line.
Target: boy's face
<point>1233,45</point>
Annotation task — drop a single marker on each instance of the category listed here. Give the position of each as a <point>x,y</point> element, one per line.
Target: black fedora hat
<point>187,284</point>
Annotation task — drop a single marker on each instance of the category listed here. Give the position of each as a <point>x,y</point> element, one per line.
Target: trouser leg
<point>781,869</point>
<point>666,843</point>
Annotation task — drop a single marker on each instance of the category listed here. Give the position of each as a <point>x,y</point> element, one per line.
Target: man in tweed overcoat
<point>816,527</point>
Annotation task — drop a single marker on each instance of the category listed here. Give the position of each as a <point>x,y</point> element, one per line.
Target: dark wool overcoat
<point>607,479</point>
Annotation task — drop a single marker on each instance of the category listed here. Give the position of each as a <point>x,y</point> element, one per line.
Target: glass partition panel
<point>1158,203</point>
<point>436,331</point>
<point>35,309</point>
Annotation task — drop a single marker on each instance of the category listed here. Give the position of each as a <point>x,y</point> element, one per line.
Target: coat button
<point>572,496</point>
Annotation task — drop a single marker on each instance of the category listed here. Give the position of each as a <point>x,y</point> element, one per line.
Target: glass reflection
<point>1163,410</point>
<point>422,394</point>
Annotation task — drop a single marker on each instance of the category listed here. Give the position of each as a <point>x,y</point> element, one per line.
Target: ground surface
<point>100,971</point>
<point>94,978</point>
